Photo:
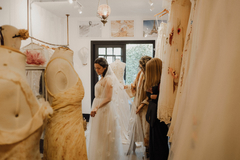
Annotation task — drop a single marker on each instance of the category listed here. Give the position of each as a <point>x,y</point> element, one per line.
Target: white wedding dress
<point>105,140</point>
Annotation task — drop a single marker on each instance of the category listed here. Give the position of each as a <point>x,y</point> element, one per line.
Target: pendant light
<point>103,11</point>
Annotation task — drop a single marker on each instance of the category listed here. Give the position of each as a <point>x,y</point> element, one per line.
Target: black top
<point>151,115</point>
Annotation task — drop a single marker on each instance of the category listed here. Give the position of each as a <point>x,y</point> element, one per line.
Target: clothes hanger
<point>164,11</point>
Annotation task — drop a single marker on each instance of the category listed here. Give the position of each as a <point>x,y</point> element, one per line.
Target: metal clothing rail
<point>28,21</point>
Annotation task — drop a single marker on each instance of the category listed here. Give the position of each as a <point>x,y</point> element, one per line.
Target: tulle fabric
<point>208,113</point>
<point>161,41</point>
<point>121,102</point>
<point>108,129</point>
<point>185,65</point>
<point>176,31</point>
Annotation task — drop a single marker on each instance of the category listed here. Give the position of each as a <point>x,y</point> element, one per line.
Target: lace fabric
<point>64,133</point>
<point>161,41</point>
<point>108,129</point>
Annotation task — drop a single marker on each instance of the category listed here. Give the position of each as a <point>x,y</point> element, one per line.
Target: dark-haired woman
<point>105,134</point>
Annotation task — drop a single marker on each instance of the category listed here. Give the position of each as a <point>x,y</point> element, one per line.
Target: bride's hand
<point>94,112</point>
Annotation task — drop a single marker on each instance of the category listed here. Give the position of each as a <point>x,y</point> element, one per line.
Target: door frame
<point>94,45</point>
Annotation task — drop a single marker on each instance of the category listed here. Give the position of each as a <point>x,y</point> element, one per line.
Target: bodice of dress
<point>118,69</point>
<point>71,97</point>
<point>98,90</point>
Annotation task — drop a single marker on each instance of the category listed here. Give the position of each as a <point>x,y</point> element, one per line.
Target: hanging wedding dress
<point>207,125</point>
<point>161,41</point>
<point>185,65</point>
<point>105,131</point>
<point>176,31</point>
<point>36,54</point>
<point>123,111</point>
<point>64,133</point>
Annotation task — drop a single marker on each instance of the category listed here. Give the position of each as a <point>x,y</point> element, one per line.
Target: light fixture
<point>103,11</point>
<point>150,2</point>
<point>70,1</point>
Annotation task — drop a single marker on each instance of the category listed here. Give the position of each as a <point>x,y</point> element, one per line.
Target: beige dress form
<point>21,115</point>
<point>64,134</point>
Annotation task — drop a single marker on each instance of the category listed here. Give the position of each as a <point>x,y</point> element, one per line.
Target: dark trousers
<point>158,142</point>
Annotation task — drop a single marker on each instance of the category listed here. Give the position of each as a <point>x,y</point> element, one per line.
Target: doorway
<point>128,52</point>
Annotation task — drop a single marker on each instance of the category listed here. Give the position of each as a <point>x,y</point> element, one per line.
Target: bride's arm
<point>108,89</point>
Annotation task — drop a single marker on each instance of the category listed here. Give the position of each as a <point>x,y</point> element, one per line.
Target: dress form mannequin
<point>12,59</point>
<point>60,75</point>
<point>64,129</point>
<point>118,69</point>
<point>21,117</point>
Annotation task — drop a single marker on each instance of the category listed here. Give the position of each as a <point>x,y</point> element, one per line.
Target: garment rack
<point>28,21</point>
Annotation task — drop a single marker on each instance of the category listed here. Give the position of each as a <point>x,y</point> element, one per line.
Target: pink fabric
<point>34,57</point>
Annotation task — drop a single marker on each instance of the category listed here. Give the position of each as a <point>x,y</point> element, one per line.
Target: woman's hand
<point>139,108</point>
<point>153,96</point>
<point>94,112</point>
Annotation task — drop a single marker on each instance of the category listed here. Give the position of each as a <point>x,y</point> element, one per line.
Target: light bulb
<point>79,11</point>
<point>70,1</point>
<point>150,2</point>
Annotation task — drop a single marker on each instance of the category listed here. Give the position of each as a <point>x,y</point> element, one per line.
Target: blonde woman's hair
<point>153,73</point>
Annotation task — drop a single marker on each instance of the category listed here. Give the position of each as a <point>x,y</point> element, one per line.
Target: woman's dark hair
<point>102,62</point>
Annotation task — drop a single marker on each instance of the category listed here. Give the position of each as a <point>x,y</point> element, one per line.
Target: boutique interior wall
<point>51,28</point>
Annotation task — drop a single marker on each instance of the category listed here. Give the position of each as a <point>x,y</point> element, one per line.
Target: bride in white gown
<point>105,131</point>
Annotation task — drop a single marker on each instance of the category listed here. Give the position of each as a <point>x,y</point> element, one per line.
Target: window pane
<point>119,57</point>
<point>101,51</point>
<point>109,51</point>
<point>110,59</point>
<point>134,52</point>
<point>117,51</point>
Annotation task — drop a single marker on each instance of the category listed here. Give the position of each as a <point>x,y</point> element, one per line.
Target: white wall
<point>76,43</point>
<point>45,25</point>
<point>48,27</point>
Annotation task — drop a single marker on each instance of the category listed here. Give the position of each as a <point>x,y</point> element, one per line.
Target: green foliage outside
<point>133,55</point>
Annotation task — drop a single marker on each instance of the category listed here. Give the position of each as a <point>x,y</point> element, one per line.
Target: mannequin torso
<point>15,112</point>
<point>118,69</point>
<point>60,75</point>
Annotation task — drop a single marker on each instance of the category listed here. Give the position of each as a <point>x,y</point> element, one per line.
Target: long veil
<point>121,104</point>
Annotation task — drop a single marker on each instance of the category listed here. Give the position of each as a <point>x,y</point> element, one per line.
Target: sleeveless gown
<point>64,134</point>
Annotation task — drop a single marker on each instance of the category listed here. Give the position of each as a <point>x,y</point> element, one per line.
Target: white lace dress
<point>105,141</point>
<point>161,41</point>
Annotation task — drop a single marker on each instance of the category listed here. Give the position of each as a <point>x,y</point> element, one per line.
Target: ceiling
<point>123,8</point>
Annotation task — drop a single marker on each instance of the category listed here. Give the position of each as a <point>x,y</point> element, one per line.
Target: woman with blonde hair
<point>158,141</point>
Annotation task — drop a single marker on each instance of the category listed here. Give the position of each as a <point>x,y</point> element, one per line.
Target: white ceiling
<point>118,7</point>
